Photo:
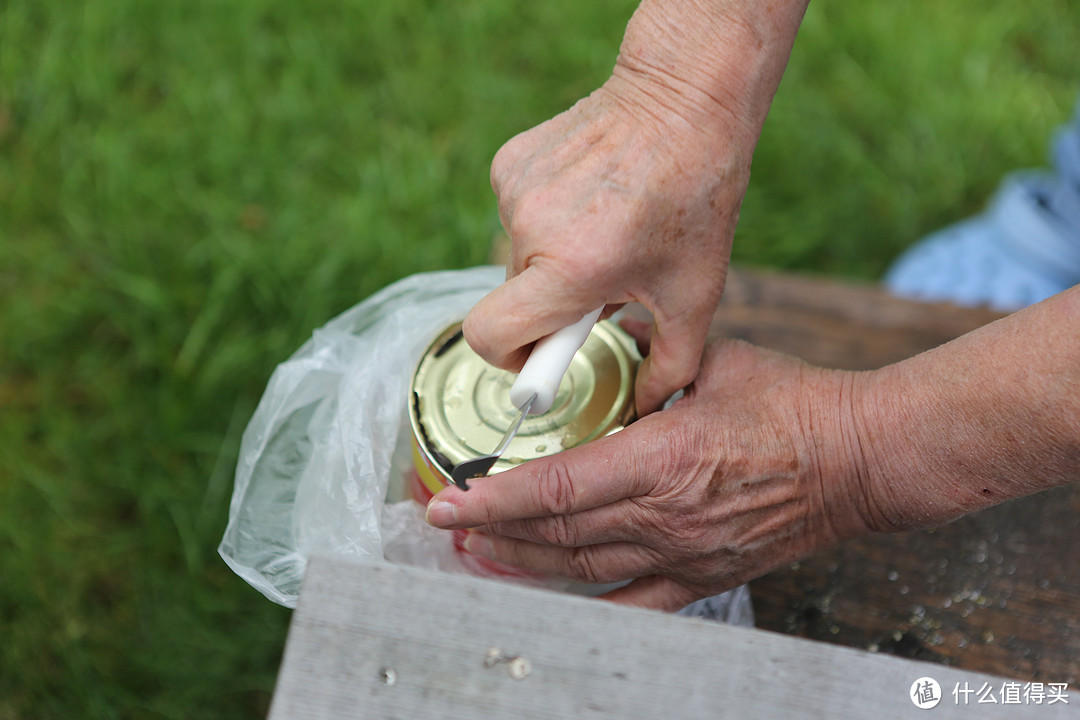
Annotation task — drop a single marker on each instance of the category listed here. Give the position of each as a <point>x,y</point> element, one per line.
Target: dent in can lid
<point>460,407</point>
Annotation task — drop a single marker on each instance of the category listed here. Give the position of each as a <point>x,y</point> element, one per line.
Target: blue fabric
<point>1024,248</point>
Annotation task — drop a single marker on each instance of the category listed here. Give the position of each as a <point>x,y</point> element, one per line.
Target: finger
<point>655,592</point>
<point>589,476</point>
<point>616,522</point>
<point>610,562</point>
<point>674,358</point>
<point>502,327</point>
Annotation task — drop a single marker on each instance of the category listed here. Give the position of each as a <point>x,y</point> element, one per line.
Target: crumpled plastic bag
<point>323,458</point>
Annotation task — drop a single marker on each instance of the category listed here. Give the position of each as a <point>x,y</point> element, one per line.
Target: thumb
<point>655,592</point>
<point>536,302</point>
<point>599,473</point>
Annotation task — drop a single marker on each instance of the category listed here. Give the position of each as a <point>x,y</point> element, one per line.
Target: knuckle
<point>487,515</point>
<point>498,174</point>
<point>555,489</point>
<point>524,215</point>
<point>581,565</point>
<point>502,166</point>
<point>559,531</point>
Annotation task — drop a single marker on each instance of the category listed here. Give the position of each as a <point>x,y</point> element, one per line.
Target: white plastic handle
<point>550,357</point>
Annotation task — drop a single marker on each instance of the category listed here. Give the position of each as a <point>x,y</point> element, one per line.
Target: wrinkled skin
<point>721,487</point>
<point>633,193</point>
<point>767,459</point>
<point>609,203</point>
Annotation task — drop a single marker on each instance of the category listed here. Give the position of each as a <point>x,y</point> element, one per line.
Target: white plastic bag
<point>321,459</point>
<point>315,460</point>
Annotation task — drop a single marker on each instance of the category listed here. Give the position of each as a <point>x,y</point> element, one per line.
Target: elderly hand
<point>730,482</point>
<point>634,192</point>
<point>767,459</point>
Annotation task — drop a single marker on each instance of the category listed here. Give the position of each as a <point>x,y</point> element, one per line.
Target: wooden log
<point>381,641</point>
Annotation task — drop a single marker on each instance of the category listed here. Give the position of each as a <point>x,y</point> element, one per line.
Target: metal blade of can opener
<point>534,390</point>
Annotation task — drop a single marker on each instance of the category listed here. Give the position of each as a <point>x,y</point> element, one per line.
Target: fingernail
<point>440,514</point>
<point>479,544</point>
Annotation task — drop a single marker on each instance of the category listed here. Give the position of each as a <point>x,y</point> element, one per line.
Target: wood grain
<point>383,641</point>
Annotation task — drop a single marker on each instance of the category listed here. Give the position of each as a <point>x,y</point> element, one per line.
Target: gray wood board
<point>384,641</point>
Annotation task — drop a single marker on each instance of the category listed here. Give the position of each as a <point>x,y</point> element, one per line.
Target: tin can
<point>460,408</point>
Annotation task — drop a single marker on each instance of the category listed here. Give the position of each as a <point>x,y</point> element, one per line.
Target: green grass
<point>187,188</point>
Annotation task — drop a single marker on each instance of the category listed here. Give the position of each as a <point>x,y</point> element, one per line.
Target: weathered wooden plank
<point>996,592</point>
<point>382,641</point>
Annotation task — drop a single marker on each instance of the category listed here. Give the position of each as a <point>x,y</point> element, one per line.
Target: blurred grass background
<point>189,187</point>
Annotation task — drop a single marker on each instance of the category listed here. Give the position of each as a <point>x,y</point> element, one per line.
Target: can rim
<point>622,351</point>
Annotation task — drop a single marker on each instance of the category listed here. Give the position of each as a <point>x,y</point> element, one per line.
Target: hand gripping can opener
<point>534,390</point>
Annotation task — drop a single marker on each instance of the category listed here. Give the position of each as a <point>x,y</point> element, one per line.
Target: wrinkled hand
<point>627,196</point>
<point>633,193</point>
<point>749,471</point>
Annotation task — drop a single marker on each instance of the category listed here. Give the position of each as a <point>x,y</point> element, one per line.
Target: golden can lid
<point>460,407</point>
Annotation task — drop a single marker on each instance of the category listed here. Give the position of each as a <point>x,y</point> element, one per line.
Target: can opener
<point>534,390</point>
